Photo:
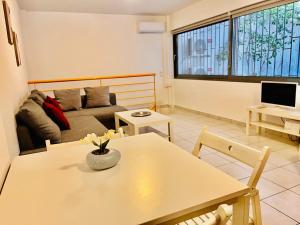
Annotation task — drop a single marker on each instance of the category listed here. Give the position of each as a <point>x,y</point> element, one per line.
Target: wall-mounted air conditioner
<point>151,27</point>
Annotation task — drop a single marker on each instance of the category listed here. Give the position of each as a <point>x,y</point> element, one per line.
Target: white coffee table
<point>135,123</point>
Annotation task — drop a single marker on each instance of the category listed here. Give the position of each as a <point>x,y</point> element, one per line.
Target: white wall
<point>62,45</point>
<point>4,155</point>
<point>13,85</point>
<point>227,99</point>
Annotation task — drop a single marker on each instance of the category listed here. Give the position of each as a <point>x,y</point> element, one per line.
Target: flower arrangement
<point>100,142</point>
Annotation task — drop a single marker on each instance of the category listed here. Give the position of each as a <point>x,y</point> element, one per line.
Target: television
<point>279,93</point>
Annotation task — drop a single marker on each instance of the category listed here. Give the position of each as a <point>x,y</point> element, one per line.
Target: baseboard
<point>164,106</point>
<point>212,116</point>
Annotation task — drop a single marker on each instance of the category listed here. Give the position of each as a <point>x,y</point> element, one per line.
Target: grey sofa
<point>83,122</point>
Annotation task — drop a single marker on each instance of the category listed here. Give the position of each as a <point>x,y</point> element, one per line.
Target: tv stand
<point>270,111</point>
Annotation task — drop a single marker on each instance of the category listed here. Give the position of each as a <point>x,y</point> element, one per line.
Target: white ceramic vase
<point>105,161</point>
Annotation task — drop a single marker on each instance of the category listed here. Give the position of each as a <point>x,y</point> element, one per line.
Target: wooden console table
<point>270,111</point>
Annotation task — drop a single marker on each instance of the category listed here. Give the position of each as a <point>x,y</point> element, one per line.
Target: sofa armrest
<point>27,139</point>
<point>24,138</point>
<point>113,98</point>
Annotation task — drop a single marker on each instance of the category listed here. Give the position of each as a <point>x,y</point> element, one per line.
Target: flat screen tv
<point>279,93</point>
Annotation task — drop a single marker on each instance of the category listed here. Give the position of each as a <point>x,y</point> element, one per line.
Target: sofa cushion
<point>101,114</point>
<point>37,98</point>
<point>36,150</point>
<point>27,138</point>
<point>68,99</point>
<point>112,100</point>
<point>82,126</point>
<point>43,96</point>
<point>33,116</point>
<point>56,115</point>
<point>97,96</point>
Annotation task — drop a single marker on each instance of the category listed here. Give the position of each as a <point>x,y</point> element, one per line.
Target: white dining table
<point>155,182</point>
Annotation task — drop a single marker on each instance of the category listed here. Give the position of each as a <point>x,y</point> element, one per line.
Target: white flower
<point>90,138</point>
<point>109,134</point>
<point>94,139</point>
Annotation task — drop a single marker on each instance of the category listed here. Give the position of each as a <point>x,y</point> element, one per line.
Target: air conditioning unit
<point>151,27</point>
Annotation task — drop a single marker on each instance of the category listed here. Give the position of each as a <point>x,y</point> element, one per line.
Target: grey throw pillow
<point>36,119</point>
<point>68,99</point>
<point>97,96</point>
<point>37,98</point>
<point>35,91</point>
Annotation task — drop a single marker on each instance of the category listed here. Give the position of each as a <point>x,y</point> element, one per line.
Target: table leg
<point>258,129</point>
<point>117,123</point>
<point>170,132</point>
<point>134,130</point>
<point>248,123</point>
<point>240,214</point>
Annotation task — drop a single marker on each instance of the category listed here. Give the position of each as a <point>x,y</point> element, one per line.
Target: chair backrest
<point>245,154</point>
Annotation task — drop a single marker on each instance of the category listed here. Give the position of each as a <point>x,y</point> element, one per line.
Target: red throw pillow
<point>56,115</point>
<point>53,102</point>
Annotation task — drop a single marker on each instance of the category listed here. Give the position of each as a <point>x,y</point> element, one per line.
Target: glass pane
<point>203,51</point>
<point>266,43</point>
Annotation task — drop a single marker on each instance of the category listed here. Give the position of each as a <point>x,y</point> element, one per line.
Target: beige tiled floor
<point>280,183</point>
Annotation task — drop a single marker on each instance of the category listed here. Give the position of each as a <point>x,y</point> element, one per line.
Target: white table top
<point>155,117</point>
<point>153,180</point>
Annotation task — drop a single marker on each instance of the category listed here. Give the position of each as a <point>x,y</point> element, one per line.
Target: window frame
<point>234,14</point>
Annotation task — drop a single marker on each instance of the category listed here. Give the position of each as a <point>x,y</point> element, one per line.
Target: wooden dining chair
<point>252,157</point>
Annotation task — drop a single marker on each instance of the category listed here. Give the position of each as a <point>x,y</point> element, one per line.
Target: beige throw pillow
<point>37,98</point>
<point>68,99</point>
<point>97,96</point>
<point>35,91</point>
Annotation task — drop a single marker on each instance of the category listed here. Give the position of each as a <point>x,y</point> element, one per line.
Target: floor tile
<point>269,166</point>
<point>282,177</point>
<point>286,202</point>
<point>271,216</point>
<point>294,167</point>
<point>207,150</point>
<point>235,171</point>
<point>186,145</point>
<point>281,158</point>
<point>296,189</point>
<point>266,188</point>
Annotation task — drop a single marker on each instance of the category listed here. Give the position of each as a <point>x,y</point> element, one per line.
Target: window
<point>261,45</point>
<point>266,43</point>
<point>203,51</point>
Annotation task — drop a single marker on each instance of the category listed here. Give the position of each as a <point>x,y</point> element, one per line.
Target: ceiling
<point>135,7</point>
